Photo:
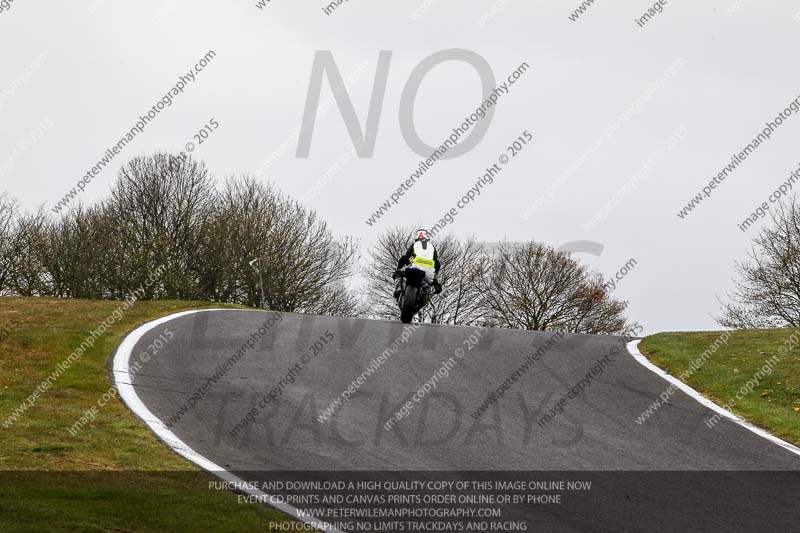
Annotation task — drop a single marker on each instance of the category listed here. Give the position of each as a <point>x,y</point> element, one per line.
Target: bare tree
<point>244,215</point>
<point>8,225</point>
<point>22,239</point>
<point>305,268</point>
<point>156,208</point>
<point>459,302</point>
<point>72,254</point>
<point>379,266</point>
<point>30,277</point>
<point>535,287</point>
<point>767,293</point>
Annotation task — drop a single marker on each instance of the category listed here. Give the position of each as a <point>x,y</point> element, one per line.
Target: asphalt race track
<point>671,473</point>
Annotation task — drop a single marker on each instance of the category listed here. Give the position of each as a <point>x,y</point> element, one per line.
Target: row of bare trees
<point>533,286</point>
<point>522,286</point>
<point>166,215</point>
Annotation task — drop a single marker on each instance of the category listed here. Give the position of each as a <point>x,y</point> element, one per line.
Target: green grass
<point>114,475</point>
<point>774,403</point>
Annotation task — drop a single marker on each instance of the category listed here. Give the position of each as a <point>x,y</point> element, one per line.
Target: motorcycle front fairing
<point>414,276</point>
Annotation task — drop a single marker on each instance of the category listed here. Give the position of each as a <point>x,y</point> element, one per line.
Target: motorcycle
<point>413,291</point>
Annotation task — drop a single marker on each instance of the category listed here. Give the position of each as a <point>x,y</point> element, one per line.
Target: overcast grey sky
<point>83,72</point>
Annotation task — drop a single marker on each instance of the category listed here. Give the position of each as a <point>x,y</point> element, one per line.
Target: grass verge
<point>114,475</point>
<point>756,374</point>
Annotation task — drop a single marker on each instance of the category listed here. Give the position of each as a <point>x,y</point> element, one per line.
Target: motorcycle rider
<point>422,254</point>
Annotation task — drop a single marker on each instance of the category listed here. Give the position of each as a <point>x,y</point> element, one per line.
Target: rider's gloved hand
<point>396,274</point>
<point>437,287</point>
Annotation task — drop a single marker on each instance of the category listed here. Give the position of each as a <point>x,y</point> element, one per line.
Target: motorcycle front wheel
<point>409,305</point>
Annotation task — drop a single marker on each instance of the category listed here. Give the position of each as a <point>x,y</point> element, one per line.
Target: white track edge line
<point>633,349</point>
<point>128,394</point>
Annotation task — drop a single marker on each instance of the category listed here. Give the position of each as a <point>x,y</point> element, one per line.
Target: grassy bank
<point>754,359</point>
<point>121,478</point>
